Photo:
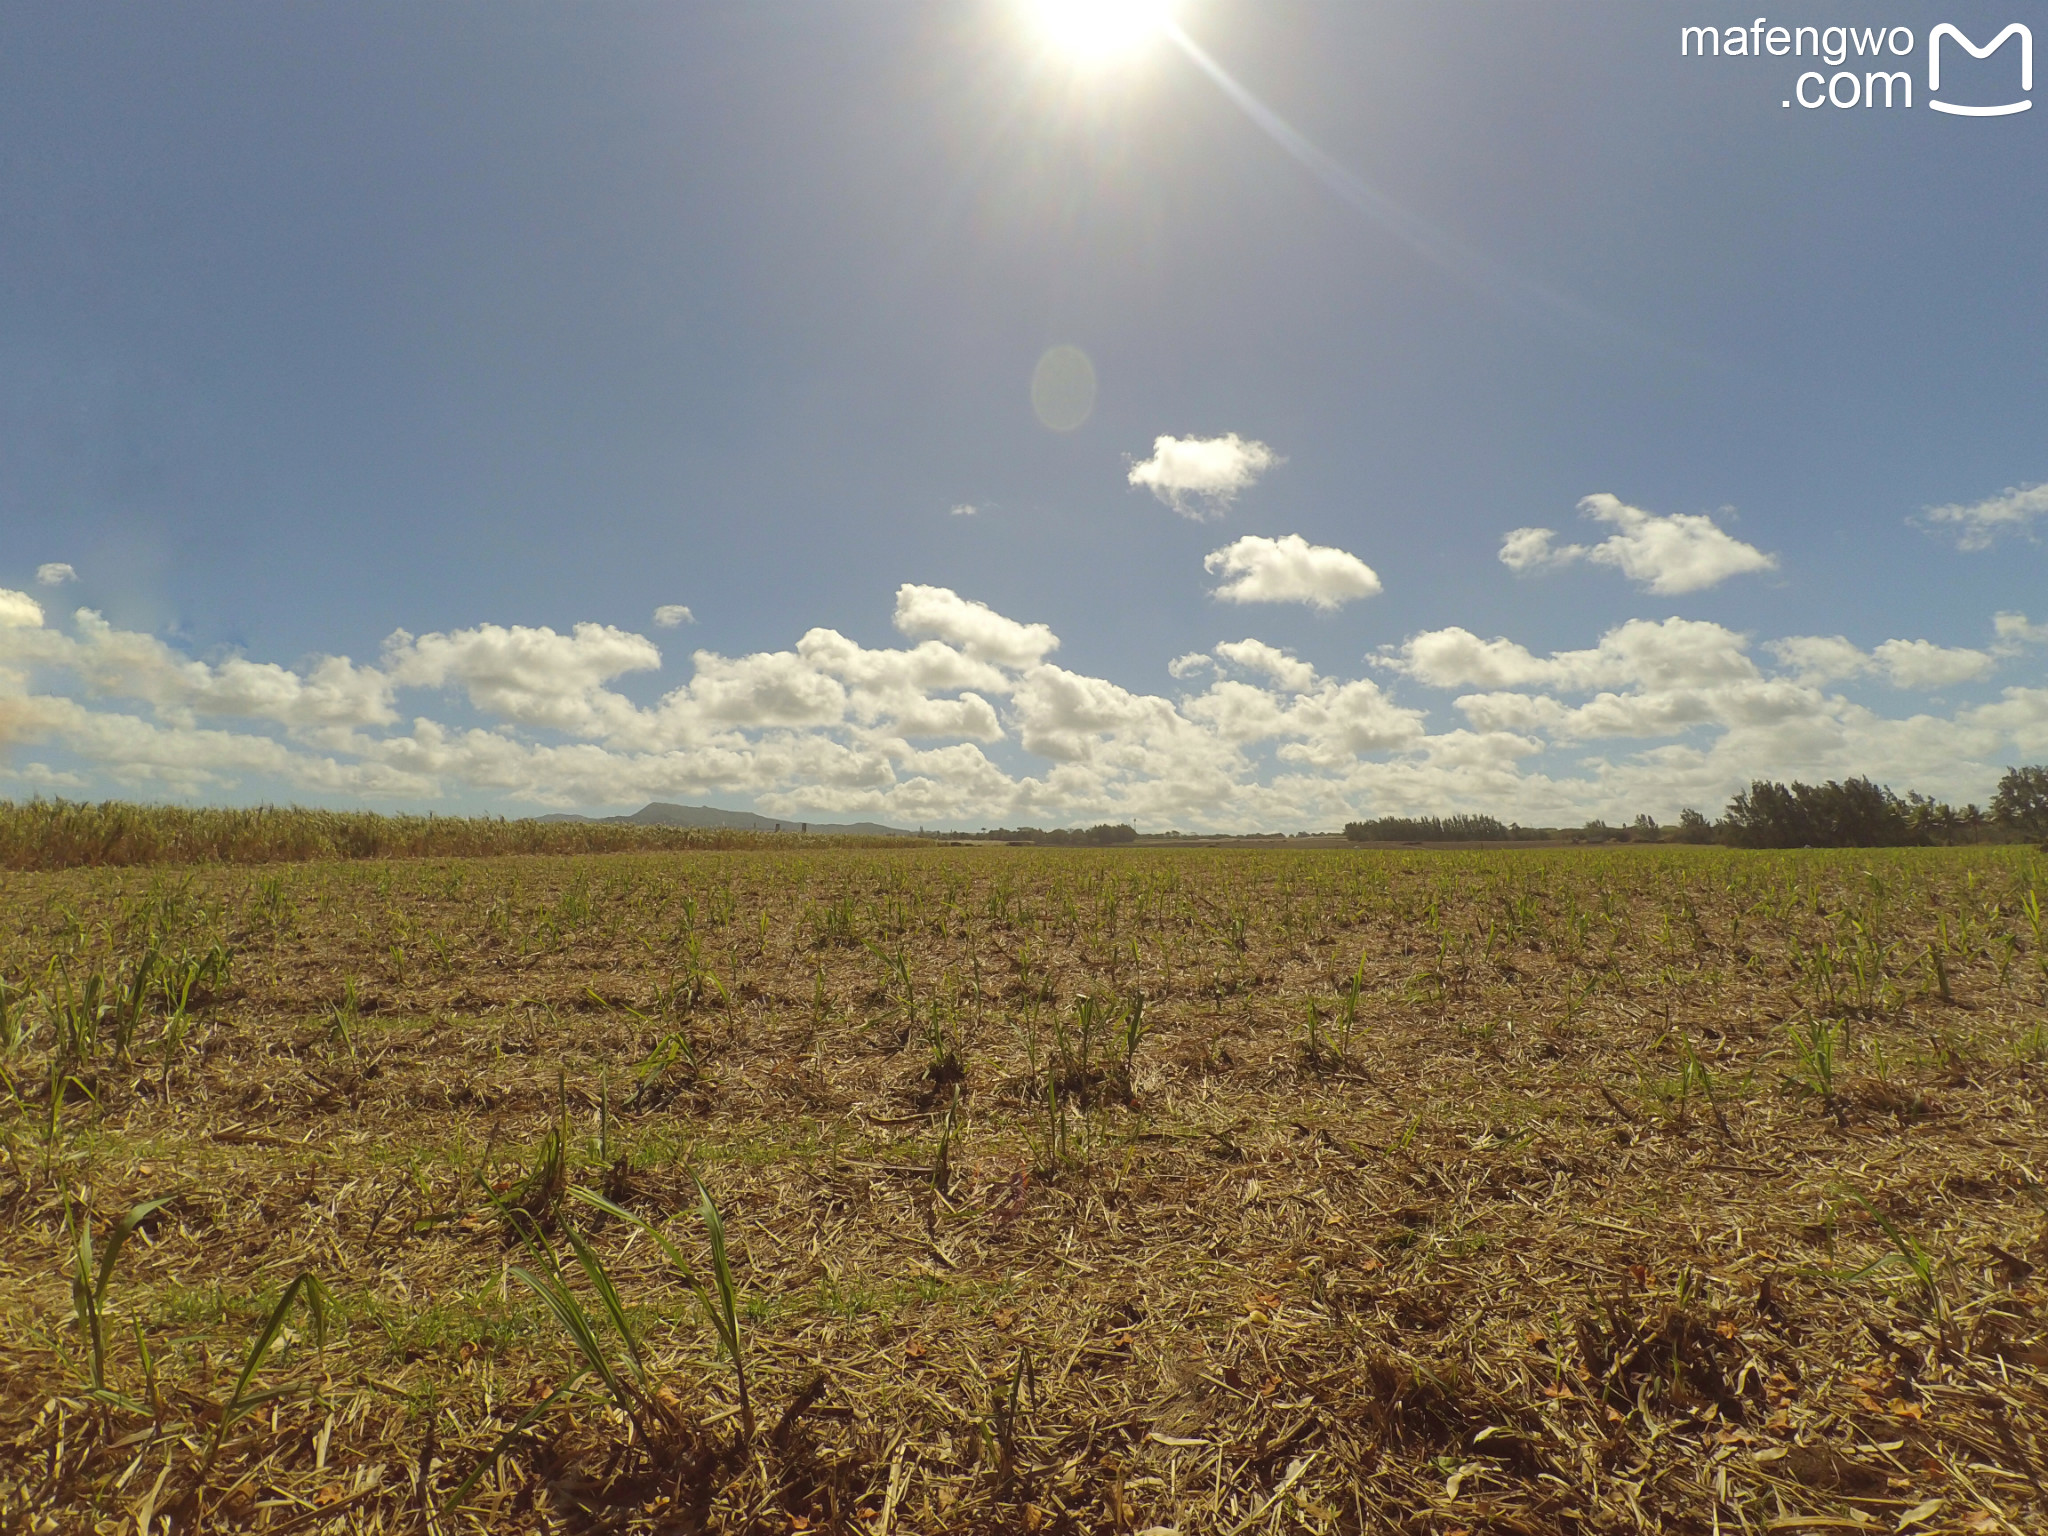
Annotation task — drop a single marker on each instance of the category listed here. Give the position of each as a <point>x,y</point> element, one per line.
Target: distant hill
<point>658,814</point>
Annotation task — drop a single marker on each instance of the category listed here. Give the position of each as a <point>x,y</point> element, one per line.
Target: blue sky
<point>457,340</point>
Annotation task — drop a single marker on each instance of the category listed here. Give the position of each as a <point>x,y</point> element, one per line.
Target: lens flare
<point>1097,32</point>
<point>1063,388</point>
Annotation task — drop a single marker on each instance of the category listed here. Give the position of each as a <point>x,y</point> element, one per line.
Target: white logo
<point>1948,29</point>
<point>1854,54</point>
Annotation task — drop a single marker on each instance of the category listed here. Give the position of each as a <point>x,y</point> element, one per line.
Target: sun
<point>1099,32</point>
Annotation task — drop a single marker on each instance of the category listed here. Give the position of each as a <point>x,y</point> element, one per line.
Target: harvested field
<point>1647,1189</point>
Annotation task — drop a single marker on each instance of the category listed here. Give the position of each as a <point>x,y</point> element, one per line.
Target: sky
<point>1224,415</point>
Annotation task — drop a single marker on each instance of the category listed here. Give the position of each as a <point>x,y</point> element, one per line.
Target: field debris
<point>1038,1190</point>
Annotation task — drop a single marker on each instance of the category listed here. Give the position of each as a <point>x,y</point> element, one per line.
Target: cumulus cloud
<point>533,676</point>
<point>1669,679</point>
<point>1340,722</point>
<point>1978,524</point>
<point>54,574</point>
<point>968,721</point>
<point>974,627</point>
<point>1924,665</point>
<point>1671,653</point>
<point>1256,656</point>
<point>673,616</point>
<point>1919,664</point>
<point>901,688</point>
<point>1676,683</point>
<point>769,688</point>
<point>1681,552</point>
<point>19,611</point>
<point>1071,717</point>
<point>1651,678</point>
<point>1528,549</point>
<point>1199,477</point>
<point>1821,658</point>
<point>103,662</point>
<point>40,777</point>
<point>1289,569</point>
<point>2015,633</point>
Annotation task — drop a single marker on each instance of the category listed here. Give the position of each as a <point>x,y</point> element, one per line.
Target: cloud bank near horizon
<point>970,721</point>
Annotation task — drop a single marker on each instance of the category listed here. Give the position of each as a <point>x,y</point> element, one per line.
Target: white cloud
<point>968,723</point>
<point>1290,570</point>
<point>1199,477</point>
<point>41,776</point>
<point>931,666</point>
<point>2020,716</point>
<point>1074,718</point>
<point>673,616</point>
<point>769,688</point>
<point>1455,657</point>
<point>532,676</point>
<point>1528,549</point>
<point>1256,656</point>
<point>19,611</point>
<point>1239,713</point>
<point>1919,664</point>
<point>965,509</point>
<point>1340,722</point>
<point>975,627</point>
<point>1640,653</point>
<point>108,663</point>
<point>1646,713</point>
<point>1979,523</point>
<point>898,687</point>
<point>1647,678</point>
<point>1679,553</point>
<point>1821,658</point>
<point>54,574</point>
<point>1188,665</point>
<point>2015,633</point>
<point>1924,665</point>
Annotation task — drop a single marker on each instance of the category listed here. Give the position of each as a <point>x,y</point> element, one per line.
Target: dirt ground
<point>1205,1190</point>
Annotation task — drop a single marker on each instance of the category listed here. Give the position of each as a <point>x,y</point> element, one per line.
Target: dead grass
<point>1667,1190</point>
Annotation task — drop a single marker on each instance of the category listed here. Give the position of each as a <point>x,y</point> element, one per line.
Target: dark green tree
<point>2021,800</point>
<point>1431,829</point>
<point>1855,814</point>
<point>1694,827</point>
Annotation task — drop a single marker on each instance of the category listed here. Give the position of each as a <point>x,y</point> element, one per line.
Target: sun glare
<point>1096,32</point>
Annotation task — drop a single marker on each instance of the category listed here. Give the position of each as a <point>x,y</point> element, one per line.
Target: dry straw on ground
<point>1216,1191</point>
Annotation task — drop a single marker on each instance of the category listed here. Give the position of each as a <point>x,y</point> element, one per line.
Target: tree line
<point>1853,813</point>
<point>1860,813</point>
<point>1440,829</point>
<point>1102,836</point>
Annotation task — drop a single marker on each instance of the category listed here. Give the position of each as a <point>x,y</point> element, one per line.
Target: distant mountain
<point>658,814</point>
